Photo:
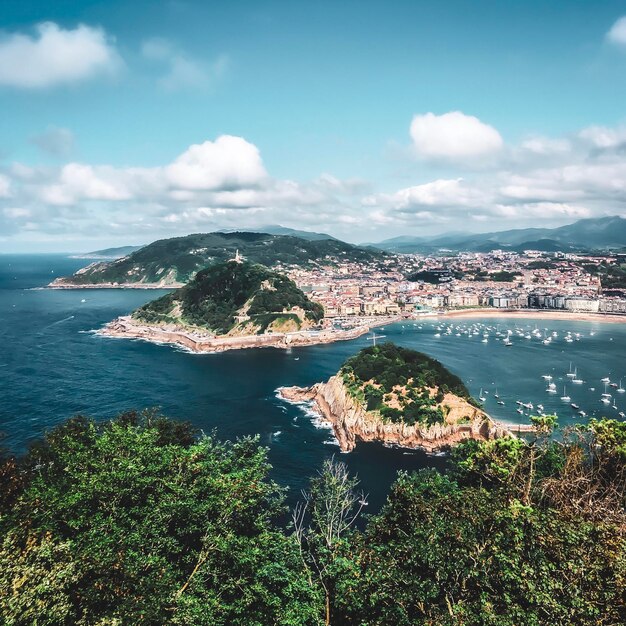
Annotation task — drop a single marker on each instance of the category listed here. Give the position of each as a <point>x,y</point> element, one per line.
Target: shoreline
<point>350,422</point>
<point>60,286</point>
<point>536,314</point>
<point>205,343</point>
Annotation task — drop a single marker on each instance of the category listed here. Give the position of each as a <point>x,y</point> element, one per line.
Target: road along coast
<point>199,341</point>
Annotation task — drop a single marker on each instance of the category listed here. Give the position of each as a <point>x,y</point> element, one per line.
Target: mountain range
<point>586,234</point>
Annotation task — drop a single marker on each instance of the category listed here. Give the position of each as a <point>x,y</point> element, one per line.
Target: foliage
<point>140,521</point>
<point>380,370</point>
<point>130,522</point>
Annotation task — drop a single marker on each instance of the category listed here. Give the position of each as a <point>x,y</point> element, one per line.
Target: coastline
<point>351,423</point>
<point>532,314</point>
<point>203,342</point>
<point>55,285</point>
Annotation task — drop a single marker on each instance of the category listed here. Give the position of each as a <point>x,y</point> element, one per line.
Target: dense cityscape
<point>414,284</point>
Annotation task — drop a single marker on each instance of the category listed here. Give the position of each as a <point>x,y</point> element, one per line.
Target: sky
<point>125,122</point>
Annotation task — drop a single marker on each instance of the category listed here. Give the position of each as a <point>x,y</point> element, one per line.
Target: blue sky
<point>364,119</point>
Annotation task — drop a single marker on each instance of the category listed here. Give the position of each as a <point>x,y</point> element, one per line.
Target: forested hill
<point>235,298</point>
<point>403,385</point>
<point>171,262</point>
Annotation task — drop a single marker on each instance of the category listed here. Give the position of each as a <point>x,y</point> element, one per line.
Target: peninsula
<point>399,397</point>
<point>232,305</point>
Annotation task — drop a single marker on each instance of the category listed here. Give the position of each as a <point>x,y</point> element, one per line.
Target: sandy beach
<point>535,314</point>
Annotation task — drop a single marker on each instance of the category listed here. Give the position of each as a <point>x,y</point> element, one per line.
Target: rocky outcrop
<point>352,423</point>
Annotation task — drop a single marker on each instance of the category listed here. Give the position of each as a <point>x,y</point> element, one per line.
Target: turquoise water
<point>52,367</point>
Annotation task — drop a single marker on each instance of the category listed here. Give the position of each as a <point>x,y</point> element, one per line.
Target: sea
<point>53,366</point>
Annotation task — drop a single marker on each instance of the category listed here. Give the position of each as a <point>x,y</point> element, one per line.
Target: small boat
<point>605,400</point>
<point>520,411</point>
<point>571,374</point>
<point>582,414</point>
<point>606,380</point>
<point>565,397</point>
<point>481,397</point>
<point>574,406</point>
<point>501,402</point>
<point>620,389</point>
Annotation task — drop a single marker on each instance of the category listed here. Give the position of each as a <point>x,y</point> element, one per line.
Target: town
<point>416,284</point>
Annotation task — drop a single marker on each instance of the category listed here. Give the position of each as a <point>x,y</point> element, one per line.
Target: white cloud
<point>603,137</point>
<point>453,136</point>
<point>56,56</point>
<point>82,182</point>
<point>5,185</point>
<point>617,32</point>
<point>58,142</point>
<point>181,70</point>
<point>226,163</point>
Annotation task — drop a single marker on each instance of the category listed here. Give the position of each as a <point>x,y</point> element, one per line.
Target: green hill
<point>403,385</point>
<point>235,298</point>
<point>171,262</point>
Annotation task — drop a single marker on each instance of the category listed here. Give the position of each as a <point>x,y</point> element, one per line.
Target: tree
<point>322,522</point>
<point>130,522</point>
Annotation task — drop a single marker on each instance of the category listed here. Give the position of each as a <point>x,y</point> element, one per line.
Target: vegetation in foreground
<point>402,385</point>
<point>140,521</point>
<point>233,295</point>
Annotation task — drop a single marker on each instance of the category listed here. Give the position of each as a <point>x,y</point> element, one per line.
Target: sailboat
<point>620,389</point>
<point>571,374</point>
<point>480,395</point>
<point>565,397</point>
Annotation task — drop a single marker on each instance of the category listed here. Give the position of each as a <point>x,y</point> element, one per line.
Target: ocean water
<point>52,366</point>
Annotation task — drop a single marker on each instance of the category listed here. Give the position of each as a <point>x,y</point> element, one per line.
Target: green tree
<point>131,522</point>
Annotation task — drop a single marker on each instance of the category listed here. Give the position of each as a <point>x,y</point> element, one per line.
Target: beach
<point>533,314</point>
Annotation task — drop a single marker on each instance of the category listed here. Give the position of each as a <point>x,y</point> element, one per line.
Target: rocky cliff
<point>352,423</point>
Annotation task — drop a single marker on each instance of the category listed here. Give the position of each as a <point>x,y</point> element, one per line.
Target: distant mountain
<point>592,233</point>
<point>276,229</point>
<point>173,262</point>
<point>236,299</point>
<point>108,253</point>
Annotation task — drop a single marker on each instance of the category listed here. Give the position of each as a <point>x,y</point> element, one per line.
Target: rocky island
<point>399,397</point>
<point>231,305</point>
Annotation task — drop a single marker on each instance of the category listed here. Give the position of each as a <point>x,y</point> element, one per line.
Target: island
<point>399,397</point>
<point>232,305</point>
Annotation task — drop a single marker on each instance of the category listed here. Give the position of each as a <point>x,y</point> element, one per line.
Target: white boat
<point>481,397</point>
<point>565,397</point>
<point>606,380</point>
<point>578,381</point>
<point>571,374</point>
<point>620,389</point>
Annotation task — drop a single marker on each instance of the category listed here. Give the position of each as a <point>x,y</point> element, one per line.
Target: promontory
<point>399,397</point>
<point>231,305</point>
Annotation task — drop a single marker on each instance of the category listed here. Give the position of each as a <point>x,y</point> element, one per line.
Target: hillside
<point>173,262</point>
<point>586,234</point>
<point>277,229</point>
<point>402,385</point>
<point>235,299</point>
<point>108,253</point>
